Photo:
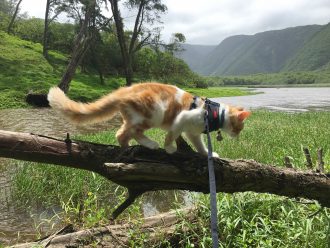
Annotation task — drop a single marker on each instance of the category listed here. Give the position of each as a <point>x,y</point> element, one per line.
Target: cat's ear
<point>242,115</point>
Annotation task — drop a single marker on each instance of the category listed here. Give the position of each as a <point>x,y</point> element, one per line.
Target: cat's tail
<point>82,113</point>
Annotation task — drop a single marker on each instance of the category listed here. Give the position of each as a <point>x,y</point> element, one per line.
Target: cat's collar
<point>215,119</point>
<point>194,104</point>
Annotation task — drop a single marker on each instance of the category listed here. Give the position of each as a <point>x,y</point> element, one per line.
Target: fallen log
<point>112,235</point>
<point>140,169</point>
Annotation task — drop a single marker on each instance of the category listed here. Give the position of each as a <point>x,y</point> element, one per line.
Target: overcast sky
<point>210,21</point>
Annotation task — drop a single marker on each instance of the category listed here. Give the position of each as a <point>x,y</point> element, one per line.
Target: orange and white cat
<point>148,105</point>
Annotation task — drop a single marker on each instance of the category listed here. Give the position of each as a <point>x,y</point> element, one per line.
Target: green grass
<point>263,220</point>
<point>24,69</point>
<point>245,219</point>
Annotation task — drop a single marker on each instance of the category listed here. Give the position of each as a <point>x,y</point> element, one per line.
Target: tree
<point>80,46</point>
<point>52,6</point>
<point>175,43</point>
<point>148,12</point>
<point>90,25</point>
<point>10,26</point>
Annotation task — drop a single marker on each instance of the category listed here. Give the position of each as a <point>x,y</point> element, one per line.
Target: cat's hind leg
<point>124,135</point>
<point>145,141</point>
<point>142,139</point>
<point>174,133</point>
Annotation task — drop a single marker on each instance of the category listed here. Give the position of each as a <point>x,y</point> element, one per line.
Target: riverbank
<point>86,88</point>
<point>245,219</point>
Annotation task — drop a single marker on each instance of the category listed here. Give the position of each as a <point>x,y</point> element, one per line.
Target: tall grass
<point>245,219</point>
<point>263,220</point>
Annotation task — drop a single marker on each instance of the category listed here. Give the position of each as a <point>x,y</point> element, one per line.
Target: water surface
<point>283,99</point>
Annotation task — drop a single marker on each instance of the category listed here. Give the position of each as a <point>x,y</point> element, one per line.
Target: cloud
<point>34,8</point>
<point>211,21</point>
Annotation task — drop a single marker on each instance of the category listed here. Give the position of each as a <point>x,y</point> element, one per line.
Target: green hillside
<point>193,54</point>
<point>23,68</point>
<point>315,53</point>
<point>303,48</point>
<point>260,53</point>
<point>223,55</point>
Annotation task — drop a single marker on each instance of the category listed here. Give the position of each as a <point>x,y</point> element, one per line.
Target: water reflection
<point>16,223</point>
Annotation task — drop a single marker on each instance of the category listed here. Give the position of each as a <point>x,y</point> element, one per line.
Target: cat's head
<point>234,121</point>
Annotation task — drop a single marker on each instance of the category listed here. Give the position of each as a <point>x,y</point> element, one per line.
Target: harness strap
<point>213,191</point>
<point>193,105</point>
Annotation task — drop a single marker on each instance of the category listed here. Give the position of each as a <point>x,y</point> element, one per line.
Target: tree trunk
<point>10,26</point>
<point>140,170</point>
<point>122,42</point>
<point>46,28</point>
<point>80,47</point>
<point>129,72</point>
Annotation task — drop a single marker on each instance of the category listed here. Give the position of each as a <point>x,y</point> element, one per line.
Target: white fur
<point>158,113</point>
<point>191,123</point>
<point>179,94</point>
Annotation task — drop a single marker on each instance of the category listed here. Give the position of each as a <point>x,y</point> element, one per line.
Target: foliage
<point>23,68</point>
<point>255,220</point>
<point>304,78</point>
<point>262,220</point>
<point>164,67</point>
<point>148,13</point>
<point>314,54</point>
<point>175,45</point>
<point>30,29</point>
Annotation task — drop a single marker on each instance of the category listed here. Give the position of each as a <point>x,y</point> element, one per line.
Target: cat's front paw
<point>170,149</point>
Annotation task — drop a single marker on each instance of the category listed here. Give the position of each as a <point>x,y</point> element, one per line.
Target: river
<point>283,99</point>
<point>19,224</point>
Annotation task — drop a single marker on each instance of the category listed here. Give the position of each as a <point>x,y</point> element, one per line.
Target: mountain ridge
<point>290,49</point>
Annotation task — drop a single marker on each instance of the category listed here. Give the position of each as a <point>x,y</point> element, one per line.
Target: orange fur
<point>143,106</point>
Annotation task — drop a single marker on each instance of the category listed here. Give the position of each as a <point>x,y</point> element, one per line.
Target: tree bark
<point>10,26</point>
<point>122,41</point>
<point>140,169</point>
<point>46,28</point>
<point>79,49</point>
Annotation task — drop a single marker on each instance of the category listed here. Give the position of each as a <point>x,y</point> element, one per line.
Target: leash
<point>213,191</point>
<point>213,121</point>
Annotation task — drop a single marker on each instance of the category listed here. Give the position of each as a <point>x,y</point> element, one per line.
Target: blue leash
<point>213,191</point>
